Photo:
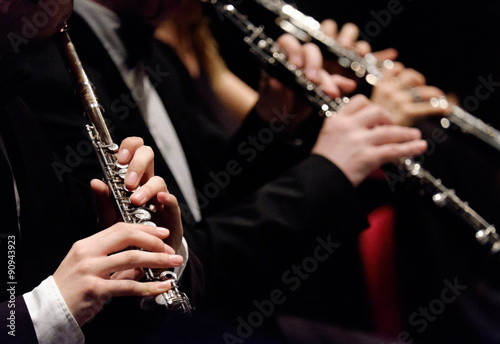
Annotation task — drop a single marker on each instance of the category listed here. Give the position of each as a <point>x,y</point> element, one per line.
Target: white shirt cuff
<point>184,252</point>
<point>52,320</point>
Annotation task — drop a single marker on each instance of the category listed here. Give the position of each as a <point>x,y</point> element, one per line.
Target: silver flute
<point>114,173</point>
<point>306,28</point>
<point>268,52</point>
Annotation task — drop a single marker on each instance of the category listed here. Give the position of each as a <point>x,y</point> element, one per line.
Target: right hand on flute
<point>362,137</point>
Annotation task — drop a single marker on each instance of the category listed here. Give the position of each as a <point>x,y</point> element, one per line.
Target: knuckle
<point>79,249</point>
<point>137,140</point>
<point>93,287</point>
<point>129,236</point>
<point>158,180</point>
<point>148,150</point>
<point>133,141</point>
<point>85,266</point>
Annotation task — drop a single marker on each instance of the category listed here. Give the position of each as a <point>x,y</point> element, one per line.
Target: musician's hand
<point>155,193</point>
<point>404,93</point>
<point>279,102</point>
<point>153,190</point>
<point>168,213</point>
<point>92,272</point>
<point>140,161</point>
<point>361,138</point>
<point>347,37</point>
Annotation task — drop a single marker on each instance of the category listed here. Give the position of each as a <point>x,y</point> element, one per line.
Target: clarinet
<point>268,52</point>
<point>306,28</point>
<point>114,173</point>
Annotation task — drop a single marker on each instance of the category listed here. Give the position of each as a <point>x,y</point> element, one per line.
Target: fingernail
<point>162,230</point>
<point>169,249</point>
<point>123,155</point>
<point>139,196</point>
<point>176,259</point>
<point>132,178</point>
<point>163,285</point>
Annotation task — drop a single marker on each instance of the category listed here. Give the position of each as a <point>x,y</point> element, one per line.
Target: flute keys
<point>121,170</point>
<point>142,215</point>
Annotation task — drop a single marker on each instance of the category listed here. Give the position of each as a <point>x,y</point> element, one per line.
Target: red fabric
<point>378,257</point>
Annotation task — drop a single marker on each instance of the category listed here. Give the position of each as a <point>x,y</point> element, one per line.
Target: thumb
<point>104,202</point>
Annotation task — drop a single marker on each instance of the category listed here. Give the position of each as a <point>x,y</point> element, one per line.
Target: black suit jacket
<point>54,212</point>
<point>305,205</point>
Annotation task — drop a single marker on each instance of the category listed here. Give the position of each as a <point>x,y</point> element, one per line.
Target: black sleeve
<point>263,151</point>
<point>257,239</point>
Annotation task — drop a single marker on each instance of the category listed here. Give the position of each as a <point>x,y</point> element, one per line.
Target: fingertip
<point>417,147</point>
<point>329,27</point>
<point>363,47</point>
<point>176,259</point>
<point>423,145</point>
<point>169,250</point>
<point>138,197</point>
<point>163,231</point>
<point>350,85</point>
<point>123,156</point>
<point>163,286</point>
<point>132,180</point>
<point>95,182</point>
<point>392,53</point>
<point>416,133</point>
<point>98,186</point>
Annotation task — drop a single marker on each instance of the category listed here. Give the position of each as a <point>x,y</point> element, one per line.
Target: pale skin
<point>394,94</point>
<point>102,266</point>
<point>361,137</point>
